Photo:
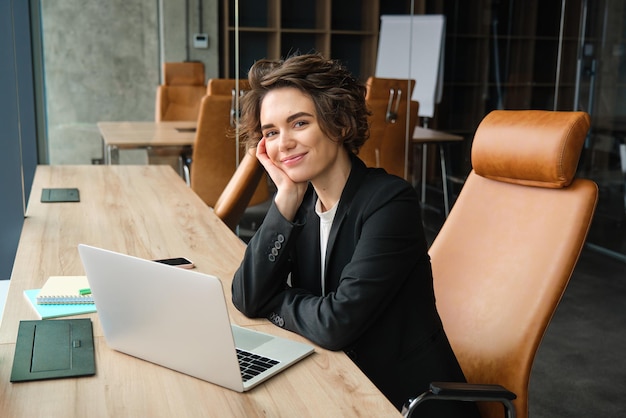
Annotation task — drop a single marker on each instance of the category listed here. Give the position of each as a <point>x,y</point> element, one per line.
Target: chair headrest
<point>530,147</point>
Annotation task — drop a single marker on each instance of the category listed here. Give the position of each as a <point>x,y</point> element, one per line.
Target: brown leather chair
<point>504,256</point>
<point>237,194</point>
<point>189,73</point>
<point>228,87</point>
<point>225,86</point>
<point>214,157</point>
<point>389,143</point>
<point>178,98</point>
<point>378,88</point>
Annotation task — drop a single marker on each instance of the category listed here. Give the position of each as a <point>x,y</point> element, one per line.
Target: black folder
<point>51,349</point>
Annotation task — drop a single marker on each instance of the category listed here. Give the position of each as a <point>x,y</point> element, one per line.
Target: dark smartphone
<point>60,195</point>
<point>181,262</point>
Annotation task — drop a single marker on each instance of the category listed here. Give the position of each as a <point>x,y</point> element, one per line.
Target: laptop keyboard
<point>252,364</point>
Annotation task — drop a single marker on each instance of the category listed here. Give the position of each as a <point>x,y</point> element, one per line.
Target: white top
<point>326,221</point>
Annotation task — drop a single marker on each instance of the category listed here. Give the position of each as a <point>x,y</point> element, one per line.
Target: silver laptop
<point>178,318</point>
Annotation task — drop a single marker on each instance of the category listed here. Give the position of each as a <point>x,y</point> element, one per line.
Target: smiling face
<point>295,141</point>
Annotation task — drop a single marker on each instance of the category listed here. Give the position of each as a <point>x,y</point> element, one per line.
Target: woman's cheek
<point>270,149</point>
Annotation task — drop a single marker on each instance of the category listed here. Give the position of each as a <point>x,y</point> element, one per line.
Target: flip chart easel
<point>411,47</point>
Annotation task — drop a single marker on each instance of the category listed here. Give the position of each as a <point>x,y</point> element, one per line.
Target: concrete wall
<point>102,61</point>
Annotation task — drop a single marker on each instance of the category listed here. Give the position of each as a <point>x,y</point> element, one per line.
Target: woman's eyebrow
<point>298,115</point>
<point>290,119</point>
<point>267,126</point>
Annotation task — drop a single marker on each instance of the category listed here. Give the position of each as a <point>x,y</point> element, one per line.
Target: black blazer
<point>379,305</point>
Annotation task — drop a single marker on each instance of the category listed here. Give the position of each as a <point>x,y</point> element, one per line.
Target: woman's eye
<point>269,134</point>
<point>300,123</point>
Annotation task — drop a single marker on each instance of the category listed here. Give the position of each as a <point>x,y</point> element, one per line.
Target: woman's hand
<point>290,194</point>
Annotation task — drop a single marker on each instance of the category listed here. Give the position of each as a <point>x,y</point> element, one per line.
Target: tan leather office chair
<point>505,254</point>
<point>178,98</point>
<point>387,145</point>
<point>237,194</point>
<point>228,87</point>
<point>189,73</point>
<point>214,157</point>
<point>225,86</point>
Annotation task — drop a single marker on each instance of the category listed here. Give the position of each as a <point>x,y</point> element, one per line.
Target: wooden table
<point>424,136</point>
<point>148,211</point>
<point>148,135</point>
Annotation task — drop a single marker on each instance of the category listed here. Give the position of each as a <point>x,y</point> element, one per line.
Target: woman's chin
<point>296,177</point>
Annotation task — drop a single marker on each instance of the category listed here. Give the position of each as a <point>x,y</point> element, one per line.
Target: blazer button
<point>277,245</point>
<point>276,319</point>
<point>271,257</point>
<point>275,251</point>
<point>280,238</point>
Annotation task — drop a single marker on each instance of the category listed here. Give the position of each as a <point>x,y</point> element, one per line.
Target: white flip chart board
<point>412,47</point>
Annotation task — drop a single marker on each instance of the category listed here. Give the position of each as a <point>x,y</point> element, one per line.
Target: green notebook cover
<point>53,349</point>
<point>55,311</point>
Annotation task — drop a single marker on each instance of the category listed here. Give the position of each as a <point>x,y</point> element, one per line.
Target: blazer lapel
<point>356,177</point>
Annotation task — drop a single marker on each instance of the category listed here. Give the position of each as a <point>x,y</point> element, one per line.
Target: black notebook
<point>51,349</point>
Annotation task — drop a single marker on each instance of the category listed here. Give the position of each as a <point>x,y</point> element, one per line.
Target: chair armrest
<point>473,390</point>
<point>464,392</point>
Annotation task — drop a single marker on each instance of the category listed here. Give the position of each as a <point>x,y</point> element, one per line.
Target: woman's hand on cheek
<point>277,175</point>
<point>289,194</point>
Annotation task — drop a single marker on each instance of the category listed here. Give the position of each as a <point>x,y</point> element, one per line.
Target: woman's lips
<point>292,159</point>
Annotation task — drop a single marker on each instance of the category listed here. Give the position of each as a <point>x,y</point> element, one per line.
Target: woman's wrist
<point>287,204</point>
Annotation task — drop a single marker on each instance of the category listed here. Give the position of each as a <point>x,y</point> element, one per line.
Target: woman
<point>341,257</point>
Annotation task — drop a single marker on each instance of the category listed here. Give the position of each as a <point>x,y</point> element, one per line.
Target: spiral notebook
<point>65,290</point>
<point>56,310</point>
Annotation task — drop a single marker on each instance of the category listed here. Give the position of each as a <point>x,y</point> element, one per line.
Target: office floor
<point>580,368</point>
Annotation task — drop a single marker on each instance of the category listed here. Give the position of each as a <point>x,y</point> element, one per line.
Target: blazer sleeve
<point>265,268</point>
<point>390,250</point>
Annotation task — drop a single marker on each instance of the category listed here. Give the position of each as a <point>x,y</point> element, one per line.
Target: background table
<point>134,135</point>
<point>148,211</point>
<point>424,136</point>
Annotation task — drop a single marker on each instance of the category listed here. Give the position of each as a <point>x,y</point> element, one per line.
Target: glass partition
<point>498,55</point>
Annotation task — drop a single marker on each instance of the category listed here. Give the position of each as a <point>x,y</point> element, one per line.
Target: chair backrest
<point>228,87</point>
<point>214,157</point>
<point>505,253</point>
<point>225,86</point>
<point>378,88</point>
<point>178,103</point>
<point>237,194</point>
<point>389,143</point>
<point>178,98</point>
<point>183,73</point>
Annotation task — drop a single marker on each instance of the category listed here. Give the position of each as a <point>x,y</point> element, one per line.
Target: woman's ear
<point>344,134</point>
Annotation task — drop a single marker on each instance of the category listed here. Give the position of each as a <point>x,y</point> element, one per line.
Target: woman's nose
<point>285,142</point>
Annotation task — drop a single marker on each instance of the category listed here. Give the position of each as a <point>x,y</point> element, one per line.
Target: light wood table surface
<point>148,211</point>
<point>134,135</point>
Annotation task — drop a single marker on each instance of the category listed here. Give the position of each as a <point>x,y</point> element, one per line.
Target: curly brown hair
<point>338,97</point>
